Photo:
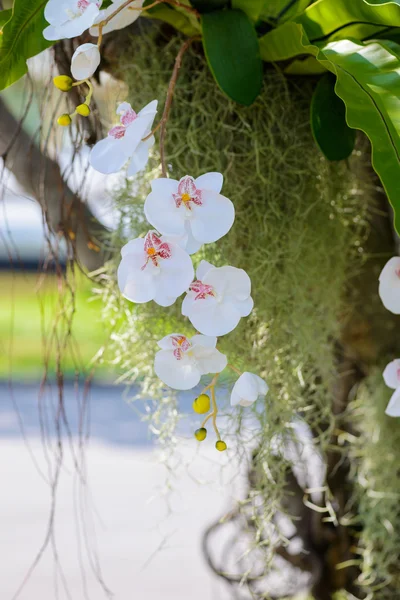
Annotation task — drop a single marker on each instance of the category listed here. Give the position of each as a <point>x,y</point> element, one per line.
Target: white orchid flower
<point>125,17</point>
<point>389,285</point>
<point>69,18</point>
<point>247,389</point>
<point>391,375</point>
<point>181,361</point>
<point>124,142</point>
<point>153,269</point>
<point>85,61</point>
<point>192,209</point>
<point>219,298</point>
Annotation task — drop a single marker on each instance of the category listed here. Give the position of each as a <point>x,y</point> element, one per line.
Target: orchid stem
<point>126,4</point>
<point>234,369</point>
<point>168,102</point>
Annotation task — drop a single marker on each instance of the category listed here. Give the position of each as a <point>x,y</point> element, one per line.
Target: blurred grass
<point>30,306</point>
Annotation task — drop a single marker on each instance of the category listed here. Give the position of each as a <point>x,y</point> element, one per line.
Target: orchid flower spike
<point>125,17</point>
<point>182,361</point>
<point>124,142</point>
<point>69,18</point>
<point>191,209</point>
<point>218,299</point>
<point>85,61</point>
<point>389,285</point>
<point>248,388</point>
<point>153,269</point>
<point>391,375</point>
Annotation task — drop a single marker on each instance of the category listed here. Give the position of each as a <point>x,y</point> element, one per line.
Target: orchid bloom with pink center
<point>190,211</point>
<point>187,193</point>
<point>182,361</point>
<point>125,17</point>
<point>153,268</point>
<point>69,18</point>
<point>125,143</point>
<point>219,298</point>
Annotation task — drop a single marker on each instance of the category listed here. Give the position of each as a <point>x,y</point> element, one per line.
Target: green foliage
<point>22,38</point>
<point>205,6</point>
<point>368,82</point>
<point>328,20</point>
<point>375,469</point>
<point>283,10</point>
<point>231,47</point>
<point>178,18</point>
<point>328,121</point>
<point>5,15</point>
<point>252,8</point>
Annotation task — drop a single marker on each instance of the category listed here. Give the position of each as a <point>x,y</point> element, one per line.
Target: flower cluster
<point>184,215</point>
<point>71,18</point>
<point>389,291</point>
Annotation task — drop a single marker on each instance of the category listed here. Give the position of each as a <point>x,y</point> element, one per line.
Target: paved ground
<point>145,552</point>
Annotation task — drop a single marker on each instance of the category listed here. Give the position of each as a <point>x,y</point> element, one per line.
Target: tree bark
<point>41,178</point>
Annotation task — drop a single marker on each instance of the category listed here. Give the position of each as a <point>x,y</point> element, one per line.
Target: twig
<point>168,102</point>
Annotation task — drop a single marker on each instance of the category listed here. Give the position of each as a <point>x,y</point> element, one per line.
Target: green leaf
<point>368,82</point>
<point>22,38</point>
<point>252,8</point>
<point>327,20</point>
<point>205,6</point>
<point>182,21</point>
<point>328,121</point>
<point>283,10</point>
<point>106,4</point>
<point>5,15</point>
<point>233,54</point>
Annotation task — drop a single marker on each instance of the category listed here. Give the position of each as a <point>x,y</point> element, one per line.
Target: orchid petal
<point>393,408</point>
<point>213,219</point>
<point>178,374</point>
<point>391,374</point>
<point>210,181</point>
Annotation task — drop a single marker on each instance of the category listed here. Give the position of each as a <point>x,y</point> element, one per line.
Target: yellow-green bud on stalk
<point>202,404</point>
<point>64,120</point>
<point>63,82</point>
<point>200,434</point>
<point>83,110</point>
<point>221,446</point>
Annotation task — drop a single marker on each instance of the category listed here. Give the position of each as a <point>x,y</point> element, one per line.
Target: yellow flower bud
<point>200,434</point>
<point>64,120</point>
<point>63,82</point>
<point>221,446</point>
<point>202,404</point>
<point>83,110</point>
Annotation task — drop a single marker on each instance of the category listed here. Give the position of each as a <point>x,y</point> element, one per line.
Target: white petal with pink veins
<point>186,207</point>
<point>160,273</point>
<point>181,361</point>
<point>215,303</point>
<point>70,18</point>
<point>124,142</point>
